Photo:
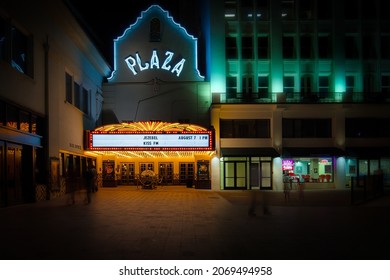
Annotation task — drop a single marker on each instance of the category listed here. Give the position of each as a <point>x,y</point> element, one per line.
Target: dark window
<point>12,116</point>
<point>351,9</point>
<point>259,128</point>
<point>247,84</point>
<point>349,83</point>
<point>306,10</point>
<point>69,88</point>
<point>369,9</point>
<point>367,127</point>
<point>155,35</point>
<point>247,47</point>
<point>288,85</point>
<point>385,47</point>
<point>324,10</point>
<point>369,51</point>
<point>306,84</point>
<point>288,47</point>
<point>231,85</point>
<point>306,46</point>
<point>85,101</point>
<point>16,48</point>
<point>288,9</point>
<point>324,46</point>
<point>77,95</point>
<point>351,47</point>
<point>231,48</point>
<point>307,128</point>
<point>263,86</point>
<point>262,47</point>
<point>3,39</point>
<point>262,9</point>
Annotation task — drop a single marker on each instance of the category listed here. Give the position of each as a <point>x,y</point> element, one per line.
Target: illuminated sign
<point>154,62</point>
<point>151,141</point>
<point>287,164</point>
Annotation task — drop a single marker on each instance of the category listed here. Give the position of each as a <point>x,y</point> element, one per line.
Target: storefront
<point>151,153</point>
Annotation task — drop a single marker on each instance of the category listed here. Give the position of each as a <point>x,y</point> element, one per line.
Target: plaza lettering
<point>134,63</point>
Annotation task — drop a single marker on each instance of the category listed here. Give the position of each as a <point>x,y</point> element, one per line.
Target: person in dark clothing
<point>90,183</point>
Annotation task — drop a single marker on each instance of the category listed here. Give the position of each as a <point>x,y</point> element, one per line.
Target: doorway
<point>127,173</point>
<point>166,172</point>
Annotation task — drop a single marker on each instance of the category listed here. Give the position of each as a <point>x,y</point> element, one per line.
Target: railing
<point>302,98</point>
<point>364,188</point>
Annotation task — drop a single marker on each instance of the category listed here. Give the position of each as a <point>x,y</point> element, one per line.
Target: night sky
<point>104,23</point>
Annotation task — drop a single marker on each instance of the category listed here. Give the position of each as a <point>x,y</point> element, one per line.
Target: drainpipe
<point>46,132</point>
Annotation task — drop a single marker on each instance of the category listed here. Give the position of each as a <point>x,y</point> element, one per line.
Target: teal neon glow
<point>136,61</point>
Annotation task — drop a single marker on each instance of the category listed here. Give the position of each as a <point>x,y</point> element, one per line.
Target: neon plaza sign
<point>136,62</point>
<point>151,141</point>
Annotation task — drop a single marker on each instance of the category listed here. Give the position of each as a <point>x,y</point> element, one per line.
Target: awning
<point>267,152</point>
<point>312,151</point>
<point>368,152</point>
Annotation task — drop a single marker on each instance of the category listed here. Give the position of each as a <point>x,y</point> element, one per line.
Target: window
<point>369,10</point>
<point>247,47</point>
<point>231,48</point>
<point>288,47</point>
<point>259,128</point>
<point>231,10</point>
<point>323,85</point>
<point>68,88</point>
<point>307,128</point>
<point>262,9</point>
<point>349,83</point>
<point>247,84</point>
<point>85,101</point>
<point>369,82</point>
<point>306,46</point>
<point>385,46</point>
<point>369,51</point>
<point>351,47</point>
<point>324,46</point>
<point>385,84</point>
<point>367,127</point>
<point>306,10</point>
<point>155,35</point>
<point>324,10</point>
<point>351,9</point>
<point>288,9</point>
<point>263,86</point>
<point>76,95</point>
<point>262,47</point>
<point>288,85</point>
<point>231,85</point>
<point>306,84</point>
<point>16,48</point>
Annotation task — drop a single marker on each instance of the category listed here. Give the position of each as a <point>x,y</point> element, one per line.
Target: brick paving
<point>176,222</point>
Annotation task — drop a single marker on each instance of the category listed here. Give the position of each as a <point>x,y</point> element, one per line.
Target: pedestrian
<point>71,186</point>
<point>287,183</point>
<point>254,202</point>
<point>89,183</point>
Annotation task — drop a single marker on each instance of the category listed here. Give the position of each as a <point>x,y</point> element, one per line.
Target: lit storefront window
<point>309,170</point>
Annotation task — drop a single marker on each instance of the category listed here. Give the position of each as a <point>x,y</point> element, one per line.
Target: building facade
<point>51,76</point>
<point>292,90</point>
<point>300,91</point>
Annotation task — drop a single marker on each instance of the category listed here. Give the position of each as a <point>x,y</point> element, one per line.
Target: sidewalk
<point>184,223</point>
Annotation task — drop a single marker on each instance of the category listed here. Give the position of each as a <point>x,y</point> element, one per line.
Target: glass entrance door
<point>235,174</point>
<point>261,175</point>
<point>186,172</point>
<point>127,173</point>
<point>166,172</point>
<point>14,174</point>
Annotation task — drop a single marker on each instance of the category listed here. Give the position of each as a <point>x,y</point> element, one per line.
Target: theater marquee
<point>167,141</point>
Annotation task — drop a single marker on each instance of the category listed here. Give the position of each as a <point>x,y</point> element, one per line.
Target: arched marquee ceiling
<point>150,126</point>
